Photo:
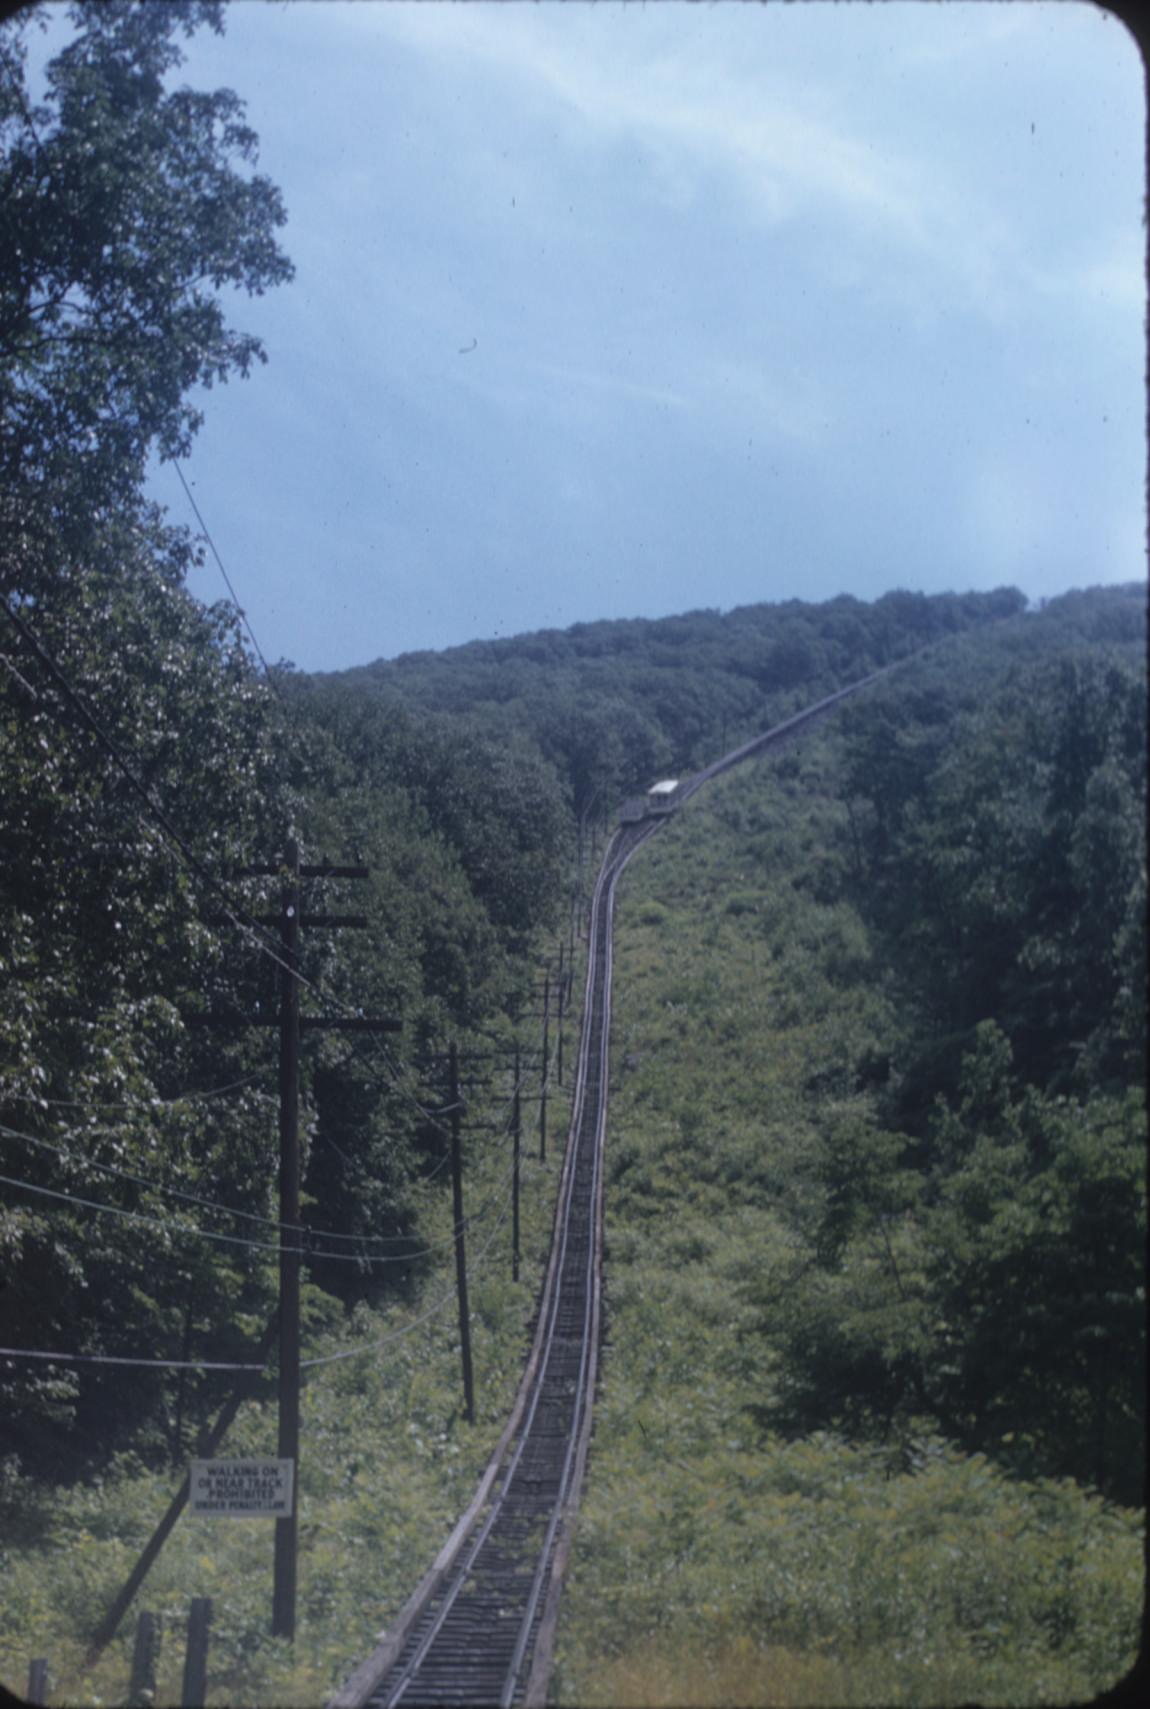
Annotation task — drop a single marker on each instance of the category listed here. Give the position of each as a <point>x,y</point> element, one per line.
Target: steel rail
<point>486,1614</point>
<point>398,1670</point>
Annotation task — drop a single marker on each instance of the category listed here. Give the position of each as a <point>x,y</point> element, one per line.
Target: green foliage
<point>874,1291</point>
<point>388,1463</point>
<point>1004,861</point>
<point>612,705</point>
<point>945,1583</point>
<point>127,207</point>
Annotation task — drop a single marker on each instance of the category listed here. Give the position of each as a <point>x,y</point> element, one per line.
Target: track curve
<point>480,1627</point>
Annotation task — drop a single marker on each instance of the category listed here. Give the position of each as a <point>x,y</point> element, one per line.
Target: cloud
<point>609,384</point>
<point>758,107</point>
<point>632,83</point>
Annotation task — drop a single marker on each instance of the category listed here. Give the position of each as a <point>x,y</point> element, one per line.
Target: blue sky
<point>764,302</point>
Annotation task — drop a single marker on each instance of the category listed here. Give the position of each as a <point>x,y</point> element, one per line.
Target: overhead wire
<point>141,1106</point>
<point>374,1345</point>
<point>123,1359</point>
<point>396,1335</point>
<point>150,1182</point>
<point>268,677</point>
<point>309,1233</point>
<point>168,1225</point>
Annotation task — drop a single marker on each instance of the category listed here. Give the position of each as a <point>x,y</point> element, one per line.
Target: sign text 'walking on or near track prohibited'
<point>242,1489</point>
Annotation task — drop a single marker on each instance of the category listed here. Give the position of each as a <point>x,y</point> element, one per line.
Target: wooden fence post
<point>145,1661</point>
<point>195,1687</point>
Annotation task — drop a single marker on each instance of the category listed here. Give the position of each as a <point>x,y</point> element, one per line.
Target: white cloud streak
<point>780,150</point>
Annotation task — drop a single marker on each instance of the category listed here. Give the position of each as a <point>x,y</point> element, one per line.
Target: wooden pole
<point>460,1252</point>
<point>515,1137</point>
<point>38,1680</point>
<point>195,1687</point>
<point>145,1661</point>
<point>291,1239</point>
<point>559,1021</point>
<point>546,1067</point>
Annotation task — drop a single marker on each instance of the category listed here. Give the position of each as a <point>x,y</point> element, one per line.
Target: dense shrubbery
<point>613,704</point>
<point>875,1204</point>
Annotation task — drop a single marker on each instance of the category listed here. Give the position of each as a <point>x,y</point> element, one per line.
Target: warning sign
<point>242,1489</point>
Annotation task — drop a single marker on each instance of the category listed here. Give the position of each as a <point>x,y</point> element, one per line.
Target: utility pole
<point>290,920</point>
<point>460,1254</point>
<point>287,1528</point>
<point>546,1067</point>
<point>559,1021</point>
<point>515,1133</point>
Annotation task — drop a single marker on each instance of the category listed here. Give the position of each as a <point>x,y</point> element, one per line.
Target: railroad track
<point>480,1627</point>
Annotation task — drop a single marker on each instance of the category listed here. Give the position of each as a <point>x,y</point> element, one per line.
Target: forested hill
<point>875,1202</point>
<point>610,705</point>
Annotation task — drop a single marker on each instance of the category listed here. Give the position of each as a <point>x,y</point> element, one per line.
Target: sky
<point>625,310</point>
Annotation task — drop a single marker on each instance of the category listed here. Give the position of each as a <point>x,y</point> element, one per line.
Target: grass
<point>713,1564</point>
<point>387,1464</point>
<point>716,1564</point>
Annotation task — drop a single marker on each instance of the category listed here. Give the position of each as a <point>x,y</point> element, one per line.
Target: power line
<point>103,1209</point>
<point>310,1233</point>
<point>117,1359</point>
<point>143,1106</point>
<point>228,580</point>
<point>215,1365</point>
<point>424,1317</point>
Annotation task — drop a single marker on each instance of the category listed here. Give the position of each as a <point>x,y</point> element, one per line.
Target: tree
<point>126,207</point>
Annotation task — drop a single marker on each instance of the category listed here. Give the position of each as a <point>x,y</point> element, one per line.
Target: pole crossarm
<point>268,871</point>
<point>309,1023</point>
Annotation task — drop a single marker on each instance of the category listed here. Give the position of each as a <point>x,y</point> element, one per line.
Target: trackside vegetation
<point>872,1415</point>
<point>871,1421</point>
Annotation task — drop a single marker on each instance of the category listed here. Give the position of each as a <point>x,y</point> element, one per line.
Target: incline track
<point>471,1633</point>
<point>480,1628</point>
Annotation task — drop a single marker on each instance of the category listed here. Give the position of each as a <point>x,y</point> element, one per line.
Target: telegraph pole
<point>559,1021</point>
<point>546,1066</point>
<point>515,1132</point>
<point>460,1254</point>
<point>290,919</point>
<point>287,1529</point>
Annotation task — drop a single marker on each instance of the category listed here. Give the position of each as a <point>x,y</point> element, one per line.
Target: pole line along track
<point>480,1627</point>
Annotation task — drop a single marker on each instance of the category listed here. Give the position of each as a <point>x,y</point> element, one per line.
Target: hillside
<point>610,705</point>
<point>290,965</point>
<point>880,1021</point>
<point>872,1415</point>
